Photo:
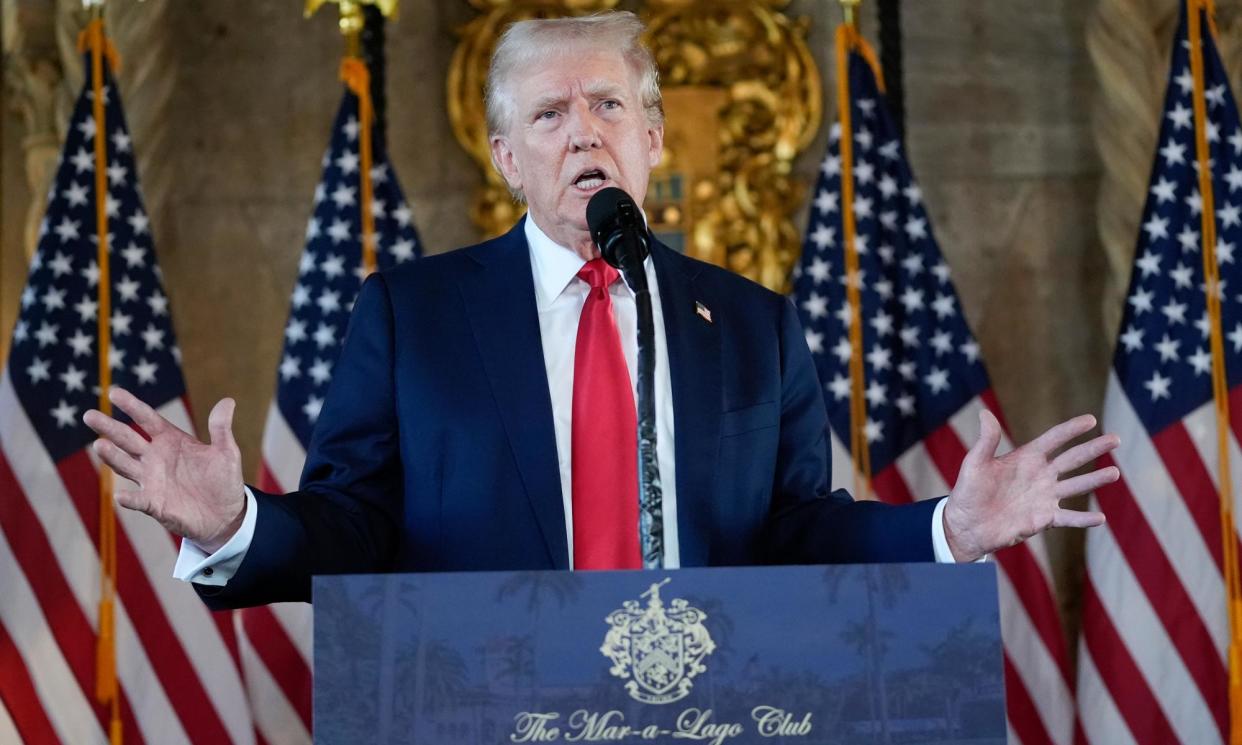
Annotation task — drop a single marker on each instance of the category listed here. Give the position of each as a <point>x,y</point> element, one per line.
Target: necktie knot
<point>598,274</point>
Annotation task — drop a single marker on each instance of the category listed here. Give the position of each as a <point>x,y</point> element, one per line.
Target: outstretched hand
<point>998,502</point>
<point>194,489</point>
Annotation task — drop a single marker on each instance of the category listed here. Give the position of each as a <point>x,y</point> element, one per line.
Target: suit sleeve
<point>810,524</point>
<point>343,518</point>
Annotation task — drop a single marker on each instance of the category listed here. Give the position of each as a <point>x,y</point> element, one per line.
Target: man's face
<point>577,126</point>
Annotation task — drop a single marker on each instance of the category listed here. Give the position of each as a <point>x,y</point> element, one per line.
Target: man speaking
<point>482,414</point>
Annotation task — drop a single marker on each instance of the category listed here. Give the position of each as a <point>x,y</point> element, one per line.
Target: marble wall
<point>998,97</point>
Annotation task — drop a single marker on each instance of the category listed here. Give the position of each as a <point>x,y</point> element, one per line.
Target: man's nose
<point>583,134</point>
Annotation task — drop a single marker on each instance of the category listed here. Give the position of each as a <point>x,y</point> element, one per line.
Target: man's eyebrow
<point>548,101</point>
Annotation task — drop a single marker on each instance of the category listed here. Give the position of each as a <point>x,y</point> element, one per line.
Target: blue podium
<point>896,653</point>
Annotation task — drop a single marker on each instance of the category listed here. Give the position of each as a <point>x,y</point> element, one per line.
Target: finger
<point>1064,518</point>
<point>122,435</point>
<point>1063,433</point>
<point>1087,482</point>
<point>131,499</point>
<point>118,460</point>
<point>1080,455</point>
<point>220,422</point>
<point>144,416</point>
<point>989,438</point>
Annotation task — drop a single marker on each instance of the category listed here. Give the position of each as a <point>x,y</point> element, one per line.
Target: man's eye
<point>547,114</point>
<point>611,104</point>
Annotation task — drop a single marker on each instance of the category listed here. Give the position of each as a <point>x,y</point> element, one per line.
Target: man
<point>481,415</point>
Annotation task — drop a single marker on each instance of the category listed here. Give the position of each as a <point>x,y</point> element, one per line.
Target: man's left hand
<point>999,502</point>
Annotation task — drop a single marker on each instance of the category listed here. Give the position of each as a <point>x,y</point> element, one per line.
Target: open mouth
<point>590,179</point>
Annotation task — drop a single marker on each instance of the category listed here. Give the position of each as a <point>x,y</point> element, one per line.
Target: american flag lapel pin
<point>703,312</point>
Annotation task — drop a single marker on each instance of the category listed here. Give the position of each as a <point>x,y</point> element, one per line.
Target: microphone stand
<point>650,493</point>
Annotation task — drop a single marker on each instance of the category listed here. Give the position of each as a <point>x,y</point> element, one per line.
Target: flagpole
<point>357,77</point>
<point>860,450</point>
<point>1220,388</point>
<point>93,40</point>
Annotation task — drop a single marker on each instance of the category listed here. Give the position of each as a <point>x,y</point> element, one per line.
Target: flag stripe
<point>283,455</point>
<point>1165,656</point>
<point>1020,709</point>
<point>282,659</point>
<point>1106,724</point>
<point>17,694</point>
<point>891,487</point>
<point>172,666</point>
<point>277,722</point>
<point>1034,667</point>
<point>1193,483</point>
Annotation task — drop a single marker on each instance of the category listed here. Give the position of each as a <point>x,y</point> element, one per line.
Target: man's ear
<point>502,159</point>
<point>656,137</point>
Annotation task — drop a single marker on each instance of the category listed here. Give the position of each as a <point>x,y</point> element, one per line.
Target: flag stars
<point>158,303</point>
<point>1182,275</point>
<point>1215,95</point>
<point>67,230</point>
<point>831,166</point>
<point>120,323</point>
<point>81,343</point>
<point>312,407</point>
<point>843,349</point>
<point>1185,82</point>
<point>73,379</point>
<point>1213,132</point>
<point>53,299</point>
<point>117,174</point>
<point>1201,361</point>
<point>1156,227</point>
<point>325,335</point>
<point>970,350</point>
<point>1168,348</point>
<point>882,323</point>
<point>916,228</point>
<point>888,219</point>
<point>1188,239</point>
<point>133,255</point>
<point>333,266</point>
<point>321,371</point>
<point>1235,337</point>
<point>116,358</point>
<point>943,306</point>
<point>121,141</point>
<point>403,250</point>
<point>347,162</point>
<point>814,341</point>
<point>38,371</point>
<point>864,138</point>
<point>819,270</point>
<point>816,305</point>
<point>942,342</point>
<point>1204,324</point>
<point>883,288</point>
<point>138,222</point>
<point>912,299</point>
<point>1173,153</point>
<point>1181,116</point>
<point>941,270</point>
<point>1224,251</point>
<point>913,264</point>
<point>313,229</point>
<point>891,150</point>
<point>290,368</point>
<point>65,415</point>
<point>908,370</point>
<point>296,331</point>
<point>937,380</point>
<point>1149,263</point>
<point>1158,386</point>
<point>880,357</point>
<point>888,186</point>
<point>402,215</point>
<point>83,161</point>
<point>864,173</point>
<point>826,202</point>
<point>1164,190</point>
<point>21,332</point>
<point>1194,202</point>
<point>839,387</point>
<point>913,194</point>
<point>329,301</point>
<point>1174,311</point>
<point>1141,300</point>
<point>76,195</point>
<point>1235,141</point>
<point>910,336</point>
<point>905,404</point>
<point>46,334</point>
<point>343,196</point>
<point>153,337</point>
<point>1132,339</point>
<point>127,288</point>
<point>862,207</point>
<point>301,295</point>
<point>873,430</point>
<point>823,237</point>
<point>307,263</point>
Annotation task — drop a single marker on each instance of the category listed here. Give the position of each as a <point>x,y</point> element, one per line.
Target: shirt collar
<point>553,265</point>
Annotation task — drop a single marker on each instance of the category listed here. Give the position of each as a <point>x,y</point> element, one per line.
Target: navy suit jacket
<point>434,449</point>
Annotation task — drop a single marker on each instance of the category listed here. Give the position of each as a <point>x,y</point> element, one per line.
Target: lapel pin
<point>703,312</point>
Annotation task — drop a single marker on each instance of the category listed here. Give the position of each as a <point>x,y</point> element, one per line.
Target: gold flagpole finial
<point>850,9</point>
<point>352,20</point>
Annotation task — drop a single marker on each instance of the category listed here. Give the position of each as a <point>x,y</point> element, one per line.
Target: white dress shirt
<point>559,297</point>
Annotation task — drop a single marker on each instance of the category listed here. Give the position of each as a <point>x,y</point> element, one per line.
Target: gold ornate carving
<point>741,70</point>
<point>743,98</point>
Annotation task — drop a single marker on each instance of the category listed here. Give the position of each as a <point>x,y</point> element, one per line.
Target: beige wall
<point>998,100</point>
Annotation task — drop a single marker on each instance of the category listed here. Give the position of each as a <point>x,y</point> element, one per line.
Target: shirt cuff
<point>940,541</point>
<point>197,566</point>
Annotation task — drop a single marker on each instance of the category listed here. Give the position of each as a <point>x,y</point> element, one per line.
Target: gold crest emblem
<point>657,651</point>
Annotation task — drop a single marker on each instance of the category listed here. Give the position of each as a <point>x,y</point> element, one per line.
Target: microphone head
<point>609,213</point>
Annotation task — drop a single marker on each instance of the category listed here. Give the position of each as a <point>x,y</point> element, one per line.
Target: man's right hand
<point>194,489</point>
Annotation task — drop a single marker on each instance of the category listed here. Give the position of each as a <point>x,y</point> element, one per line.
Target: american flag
<point>329,276</point>
<point>924,380</point>
<point>178,665</point>
<point>1153,653</point>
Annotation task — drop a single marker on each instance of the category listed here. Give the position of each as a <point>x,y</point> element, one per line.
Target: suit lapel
<point>694,370</point>
<point>500,301</point>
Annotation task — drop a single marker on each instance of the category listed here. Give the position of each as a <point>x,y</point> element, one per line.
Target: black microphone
<point>618,230</point>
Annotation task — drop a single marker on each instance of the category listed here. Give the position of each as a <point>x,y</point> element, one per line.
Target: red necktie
<point>605,436</point>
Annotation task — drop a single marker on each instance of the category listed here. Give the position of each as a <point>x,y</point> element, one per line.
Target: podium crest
<point>657,651</point>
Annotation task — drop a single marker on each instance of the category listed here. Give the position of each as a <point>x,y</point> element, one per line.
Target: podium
<point>885,653</point>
